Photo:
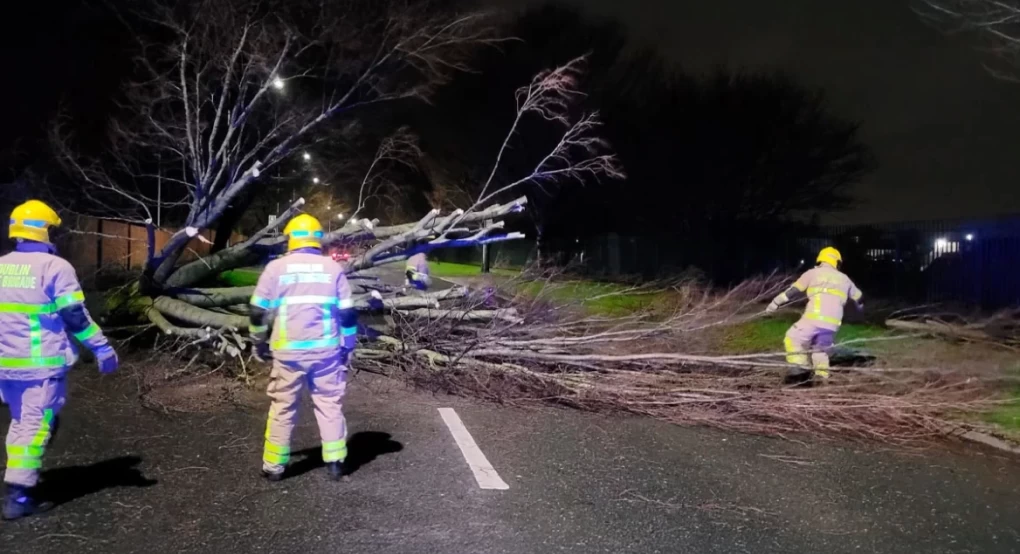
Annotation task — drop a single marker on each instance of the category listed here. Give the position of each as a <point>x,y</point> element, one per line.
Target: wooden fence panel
<point>115,242</point>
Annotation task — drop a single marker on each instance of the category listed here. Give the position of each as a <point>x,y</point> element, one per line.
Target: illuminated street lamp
<point>307,157</point>
<point>339,216</point>
<point>278,83</point>
<point>970,236</point>
<point>315,180</point>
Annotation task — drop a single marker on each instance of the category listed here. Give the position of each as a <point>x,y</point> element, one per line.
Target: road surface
<point>130,479</point>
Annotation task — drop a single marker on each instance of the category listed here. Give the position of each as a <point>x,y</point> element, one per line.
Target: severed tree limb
<point>232,296</point>
<point>168,328</point>
<point>250,252</point>
<point>972,332</point>
<point>234,257</point>
<point>433,232</point>
<point>434,358</point>
<point>494,212</point>
<point>199,317</point>
<point>668,358</point>
<point>364,302</point>
<point>216,297</point>
<point>508,315</point>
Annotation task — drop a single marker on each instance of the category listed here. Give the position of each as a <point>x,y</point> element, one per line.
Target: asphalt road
<point>133,479</point>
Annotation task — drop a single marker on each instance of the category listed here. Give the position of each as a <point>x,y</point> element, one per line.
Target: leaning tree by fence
<point>239,87</point>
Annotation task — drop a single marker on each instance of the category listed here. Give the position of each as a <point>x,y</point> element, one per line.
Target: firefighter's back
<point>33,343</point>
<point>306,303</point>
<point>828,290</point>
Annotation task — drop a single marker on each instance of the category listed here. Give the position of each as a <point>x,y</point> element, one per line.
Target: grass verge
<point>604,299</point>
<point>451,269</point>
<point>243,277</point>
<point>1007,415</point>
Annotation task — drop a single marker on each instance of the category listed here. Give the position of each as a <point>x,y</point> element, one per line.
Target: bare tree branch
<point>996,24</point>
<point>232,93</point>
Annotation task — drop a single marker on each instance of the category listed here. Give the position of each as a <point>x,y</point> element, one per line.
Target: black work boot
<point>18,503</point>
<point>271,476</point>
<point>335,470</point>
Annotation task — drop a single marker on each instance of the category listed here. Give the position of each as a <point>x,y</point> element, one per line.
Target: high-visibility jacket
<point>41,302</point>
<point>417,271</point>
<point>308,300</point>
<point>828,290</point>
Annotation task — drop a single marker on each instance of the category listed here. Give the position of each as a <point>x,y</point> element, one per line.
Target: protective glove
<point>772,308</point>
<point>262,353</point>
<point>107,358</point>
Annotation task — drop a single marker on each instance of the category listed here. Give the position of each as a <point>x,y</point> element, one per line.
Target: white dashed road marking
<point>485,474</point>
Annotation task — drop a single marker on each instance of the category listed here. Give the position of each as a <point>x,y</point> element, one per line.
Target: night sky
<point>945,131</point>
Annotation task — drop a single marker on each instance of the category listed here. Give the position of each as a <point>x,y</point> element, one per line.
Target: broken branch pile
<point>1003,328</point>
<point>512,347</point>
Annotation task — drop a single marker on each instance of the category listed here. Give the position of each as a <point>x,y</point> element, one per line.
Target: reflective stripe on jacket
<point>828,291</point>
<point>34,344</point>
<point>306,294</point>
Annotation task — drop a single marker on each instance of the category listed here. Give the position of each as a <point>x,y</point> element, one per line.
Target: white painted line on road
<point>485,474</point>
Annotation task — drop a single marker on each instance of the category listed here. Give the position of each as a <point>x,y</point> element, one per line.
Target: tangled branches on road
<point>511,346</point>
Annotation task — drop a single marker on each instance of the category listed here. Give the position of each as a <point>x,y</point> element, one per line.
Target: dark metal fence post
<point>485,253</point>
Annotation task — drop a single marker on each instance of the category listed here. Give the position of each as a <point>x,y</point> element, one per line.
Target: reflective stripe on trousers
<point>804,339</point>
<point>325,382</point>
<point>34,407</point>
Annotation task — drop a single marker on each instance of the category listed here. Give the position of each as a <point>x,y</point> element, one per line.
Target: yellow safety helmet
<point>303,231</point>
<point>32,221</point>
<point>831,256</point>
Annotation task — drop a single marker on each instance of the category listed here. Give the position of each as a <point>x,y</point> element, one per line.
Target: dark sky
<point>946,133</point>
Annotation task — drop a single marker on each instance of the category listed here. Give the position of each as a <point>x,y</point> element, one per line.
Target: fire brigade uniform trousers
<point>808,336</point>
<point>326,384</point>
<point>34,405</point>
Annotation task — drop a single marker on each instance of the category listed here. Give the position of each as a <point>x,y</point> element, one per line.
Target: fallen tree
<point>227,97</point>
<point>231,92</point>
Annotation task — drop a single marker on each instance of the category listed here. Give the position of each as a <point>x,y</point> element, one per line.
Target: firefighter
<point>41,303</point>
<point>302,312</point>
<point>417,272</point>
<point>827,290</point>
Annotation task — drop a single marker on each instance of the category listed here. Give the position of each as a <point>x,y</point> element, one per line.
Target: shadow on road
<point>362,448</point>
<point>65,484</point>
